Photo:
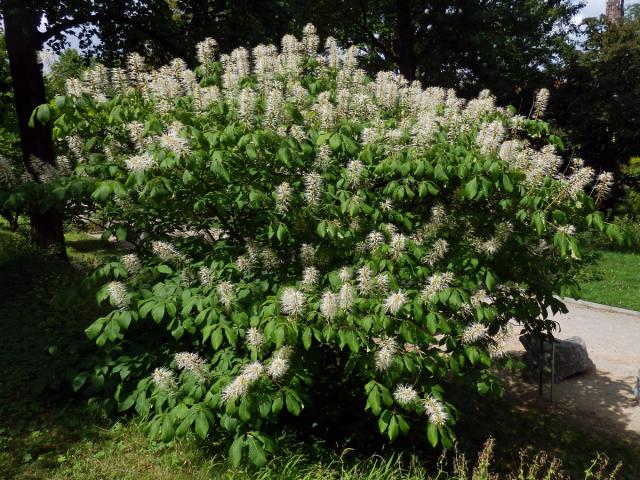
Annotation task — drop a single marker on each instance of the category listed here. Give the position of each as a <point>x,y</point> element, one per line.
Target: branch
<point>70,23</point>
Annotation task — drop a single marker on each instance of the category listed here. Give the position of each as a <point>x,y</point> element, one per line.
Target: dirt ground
<point>602,399</point>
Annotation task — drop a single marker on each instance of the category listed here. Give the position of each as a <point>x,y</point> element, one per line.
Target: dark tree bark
<point>23,43</point>
<point>404,28</point>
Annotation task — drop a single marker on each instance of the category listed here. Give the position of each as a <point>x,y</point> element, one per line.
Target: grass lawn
<point>613,280</point>
<point>48,432</point>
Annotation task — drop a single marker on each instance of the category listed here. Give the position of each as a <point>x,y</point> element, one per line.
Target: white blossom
<point>474,333</point>
<point>382,282</point>
<point>204,275</point>
<point>172,141</point>
<point>164,379</point>
<point>347,296</point>
<point>253,371</point>
<point>365,279</point>
<point>397,244</point>
<point>435,411</point>
<point>394,302</point>
<point>384,355</point>
<point>205,50</point>
<point>192,363</point>
<point>279,364</point>
<point>293,302</point>
<point>569,230</point>
<point>307,254</point>
<point>118,295</point>
<point>313,188</point>
<point>238,388</point>
<point>541,102</point>
<point>226,294</point>
<point>254,338</point>
<point>344,274</point>
<point>165,251</point>
<point>329,305</point>
<point>140,163</point>
<point>603,186</point>
<point>375,240</point>
<point>405,395</point>
<point>355,169</point>
<point>310,276</point>
<point>131,263</point>
<point>490,136</point>
<point>436,283</point>
<point>277,368</point>
<point>438,251</point>
<point>283,197</point>
<point>323,158</point>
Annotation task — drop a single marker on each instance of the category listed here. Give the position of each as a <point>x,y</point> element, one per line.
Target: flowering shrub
<point>300,226</point>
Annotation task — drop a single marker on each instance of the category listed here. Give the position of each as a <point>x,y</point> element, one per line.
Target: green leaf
<point>202,425</point>
<point>78,381</point>
<point>157,312</point>
<point>168,430</point>
<point>284,155</point>
<point>216,338</point>
<point>394,429</point>
<point>43,113</point>
<point>93,330</point>
<point>281,233</point>
<point>235,452</point>
<point>471,188</point>
<point>402,423</point>
<point>256,452</point>
<point>490,280</point>
<point>185,425</point>
<point>432,434</point>
<point>507,183</point>
<point>335,141</point>
<point>292,404</point>
<point>102,193</point>
<point>165,269</point>
<point>306,338</point>
<point>277,404</point>
<point>278,336</point>
<point>483,388</point>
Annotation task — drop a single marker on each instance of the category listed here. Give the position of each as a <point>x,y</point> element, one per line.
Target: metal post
<point>553,367</point>
<point>541,366</point>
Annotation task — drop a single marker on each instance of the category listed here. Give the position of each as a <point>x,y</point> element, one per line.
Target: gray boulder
<point>571,358</point>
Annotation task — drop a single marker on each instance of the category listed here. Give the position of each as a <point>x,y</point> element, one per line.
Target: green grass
<point>48,432</point>
<point>613,280</point>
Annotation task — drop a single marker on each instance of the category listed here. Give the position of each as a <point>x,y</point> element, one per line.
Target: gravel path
<point>603,398</point>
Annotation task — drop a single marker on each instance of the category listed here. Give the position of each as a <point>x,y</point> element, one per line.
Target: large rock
<point>571,357</point>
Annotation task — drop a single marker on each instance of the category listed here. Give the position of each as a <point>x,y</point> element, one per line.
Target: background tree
<point>69,64</point>
<point>508,46</point>
<point>9,137</point>
<point>598,98</point>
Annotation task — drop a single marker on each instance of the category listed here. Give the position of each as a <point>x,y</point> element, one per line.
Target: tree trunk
<point>23,43</point>
<point>404,31</point>
<point>11,218</point>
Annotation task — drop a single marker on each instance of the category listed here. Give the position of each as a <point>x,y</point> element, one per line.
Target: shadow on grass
<point>89,245</point>
<point>44,309</point>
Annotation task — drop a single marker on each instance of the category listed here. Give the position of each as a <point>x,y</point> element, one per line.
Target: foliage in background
<point>9,138</point>
<point>68,64</point>
<point>509,47</point>
<point>597,101</point>
<point>311,240</point>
